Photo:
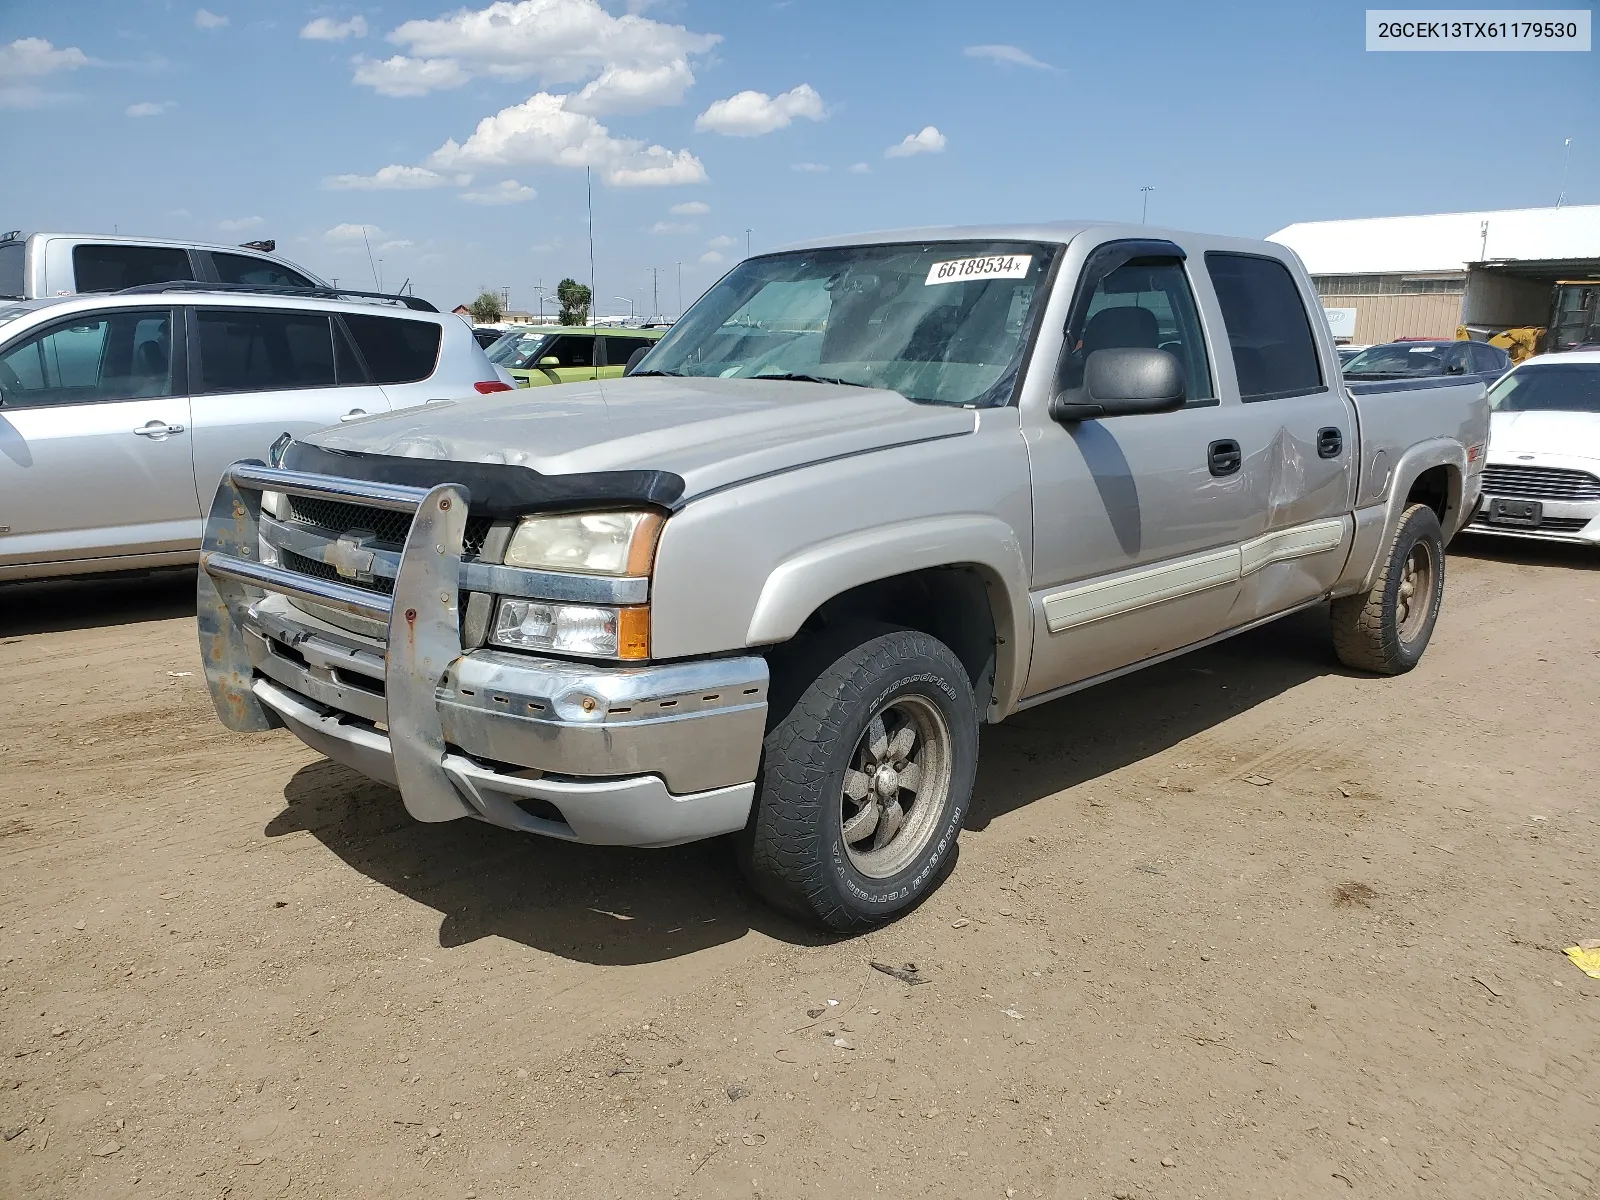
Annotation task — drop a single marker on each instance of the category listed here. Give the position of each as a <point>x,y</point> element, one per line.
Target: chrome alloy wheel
<point>1414,601</point>
<point>895,787</point>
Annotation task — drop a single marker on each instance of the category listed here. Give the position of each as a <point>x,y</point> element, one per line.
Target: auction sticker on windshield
<point>993,266</point>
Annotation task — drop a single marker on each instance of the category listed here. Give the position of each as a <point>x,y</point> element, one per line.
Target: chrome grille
<point>1539,483</point>
<point>389,528</point>
<point>320,570</point>
<point>1547,525</point>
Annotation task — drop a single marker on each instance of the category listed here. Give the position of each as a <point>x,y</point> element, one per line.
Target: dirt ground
<point>1240,925</point>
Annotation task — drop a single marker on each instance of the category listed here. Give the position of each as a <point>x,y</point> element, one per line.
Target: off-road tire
<point>793,850</point>
<point>1368,633</point>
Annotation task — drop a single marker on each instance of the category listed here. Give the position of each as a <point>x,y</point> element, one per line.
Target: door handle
<point>1330,442</point>
<point>1224,457</point>
<point>157,429</point>
<point>354,414</point>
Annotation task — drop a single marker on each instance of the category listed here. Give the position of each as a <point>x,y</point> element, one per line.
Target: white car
<point>1542,476</point>
<point>119,412</point>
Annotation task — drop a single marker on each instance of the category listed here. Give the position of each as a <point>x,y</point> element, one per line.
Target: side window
<point>620,349</point>
<point>1458,359</point>
<point>112,268</point>
<point>244,268</point>
<point>1486,359</point>
<point>1274,353</point>
<point>396,350</point>
<point>99,357</point>
<point>1147,304</point>
<point>571,350</point>
<point>250,350</point>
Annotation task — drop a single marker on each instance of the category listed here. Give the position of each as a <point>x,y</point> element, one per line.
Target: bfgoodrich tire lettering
<point>883,742</point>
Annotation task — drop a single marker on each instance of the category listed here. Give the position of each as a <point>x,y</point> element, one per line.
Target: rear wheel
<point>865,784</point>
<point>1386,629</point>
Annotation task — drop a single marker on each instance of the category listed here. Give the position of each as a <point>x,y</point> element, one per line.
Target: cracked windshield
<point>941,323</point>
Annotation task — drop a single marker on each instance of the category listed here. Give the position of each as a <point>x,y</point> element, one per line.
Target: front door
<point>258,373</point>
<point>1137,519</point>
<point>569,358</point>
<point>94,441</point>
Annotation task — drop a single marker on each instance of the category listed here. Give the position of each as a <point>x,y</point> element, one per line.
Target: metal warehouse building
<point>1390,277</point>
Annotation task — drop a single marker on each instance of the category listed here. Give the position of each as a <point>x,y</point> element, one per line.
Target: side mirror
<point>549,360</point>
<point>1119,383</point>
<point>635,358</point>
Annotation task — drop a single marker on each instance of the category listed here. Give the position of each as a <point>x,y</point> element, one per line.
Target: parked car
<point>118,413</point>
<point>540,355</point>
<point>863,497</point>
<point>1346,353</point>
<point>1543,475</point>
<point>38,265</point>
<point>1429,360</point>
<point>488,335</point>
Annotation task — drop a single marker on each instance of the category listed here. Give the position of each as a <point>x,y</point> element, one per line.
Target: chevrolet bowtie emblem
<point>350,556</point>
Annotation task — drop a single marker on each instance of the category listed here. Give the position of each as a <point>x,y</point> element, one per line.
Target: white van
<point>35,266</point>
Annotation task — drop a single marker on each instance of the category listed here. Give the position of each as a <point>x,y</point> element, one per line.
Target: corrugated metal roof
<point>1443,241</point>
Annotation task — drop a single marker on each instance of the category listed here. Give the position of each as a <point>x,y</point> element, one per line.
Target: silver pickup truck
<point>865,496</point>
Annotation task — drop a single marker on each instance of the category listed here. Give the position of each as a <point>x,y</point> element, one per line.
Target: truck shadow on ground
<point>624,907</point>
<point>95,602</point>
<point>1526,552</point>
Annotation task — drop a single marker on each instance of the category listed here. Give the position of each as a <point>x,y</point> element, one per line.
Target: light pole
<point>747,243</point>
<point>629,303</point>
<point>1144,204</point>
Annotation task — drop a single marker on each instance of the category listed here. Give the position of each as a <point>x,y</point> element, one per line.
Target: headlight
<point>610,543</point>
<point>582,629</point>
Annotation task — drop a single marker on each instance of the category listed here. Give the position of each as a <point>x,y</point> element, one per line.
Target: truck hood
<point>1572,434</point>
<point>712,432</point>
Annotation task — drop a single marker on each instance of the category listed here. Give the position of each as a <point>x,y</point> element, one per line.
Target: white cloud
<point>29,59</point>
<point>240,224</point>
<point>631,62</point>
<point>711,258</point>
<point>204,19</point>
<point>394,178</point>
<point>672,227</point>
<point>1007,56</point>
<point>399,76</point>
<point>541,131</point>
<point>326,29</point>
<point>928,141</point>
<point>347,234</point>
<point>722,241</point>
<point>507,191</point>
<point>859,169</point>
<point>809,168</point>
<point>690,208</point>
<point>149,108</point>
<point>394,244</point>
<point>751,114</point>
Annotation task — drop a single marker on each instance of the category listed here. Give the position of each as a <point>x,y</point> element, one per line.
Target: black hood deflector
<point>497,489</point>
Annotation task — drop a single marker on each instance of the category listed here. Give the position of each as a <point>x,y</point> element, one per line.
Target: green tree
<point>486,308</point>
<point>574,299</point>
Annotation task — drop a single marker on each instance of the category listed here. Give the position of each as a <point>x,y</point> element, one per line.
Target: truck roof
<point>1054,232</point>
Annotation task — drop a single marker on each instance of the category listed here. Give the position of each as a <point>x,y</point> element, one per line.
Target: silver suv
<point>119,413</point>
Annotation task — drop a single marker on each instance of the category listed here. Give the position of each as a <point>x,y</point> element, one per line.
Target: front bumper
<point>640,756</point>
<point>1563,520</point>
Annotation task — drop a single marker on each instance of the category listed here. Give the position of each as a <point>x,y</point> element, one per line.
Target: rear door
<point>1295,415</point>
<point>615,352</point>
<point>94,440</point>
<point>258,373</point>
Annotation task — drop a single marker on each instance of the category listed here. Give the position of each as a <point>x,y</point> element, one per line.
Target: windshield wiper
<point>674,374</point>
<point>799,378</point>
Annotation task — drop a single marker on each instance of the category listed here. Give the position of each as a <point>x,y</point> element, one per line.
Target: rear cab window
<point>262,272</point>
<point>101,268</point>
<point>396,350</point>
<point>1274,352</point>
<point>13,267</point>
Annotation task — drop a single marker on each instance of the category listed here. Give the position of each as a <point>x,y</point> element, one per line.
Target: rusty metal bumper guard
<point>576,751</point>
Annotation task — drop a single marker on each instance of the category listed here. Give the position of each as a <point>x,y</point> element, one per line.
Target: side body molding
<point>801,584</point>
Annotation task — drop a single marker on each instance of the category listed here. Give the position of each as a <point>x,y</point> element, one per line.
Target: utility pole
<point>539,291</point>
<point>1144,205</point>
<point>680,289</point>
<point>747,243</point>
<point>655,293</point>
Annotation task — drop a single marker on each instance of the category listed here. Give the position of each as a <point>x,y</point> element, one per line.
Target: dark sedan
<point>1419,360</point>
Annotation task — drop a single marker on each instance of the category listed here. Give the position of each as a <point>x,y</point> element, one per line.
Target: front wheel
<point>1387,629</point>
<point>865,784</point>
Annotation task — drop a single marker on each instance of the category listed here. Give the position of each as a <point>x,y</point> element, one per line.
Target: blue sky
<point>792,119</point>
